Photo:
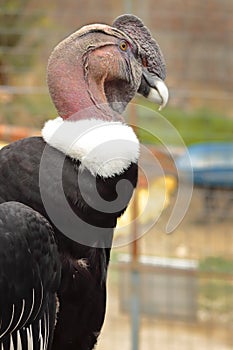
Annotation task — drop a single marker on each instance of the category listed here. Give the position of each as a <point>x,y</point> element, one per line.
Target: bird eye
<point>123,45</point>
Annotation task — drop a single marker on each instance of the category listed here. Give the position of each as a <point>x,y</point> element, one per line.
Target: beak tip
<point>159,96</point>
<point>163,92</point>
<point>158,91</point>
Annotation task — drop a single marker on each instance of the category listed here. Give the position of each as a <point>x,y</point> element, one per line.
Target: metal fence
<point>152,303</point>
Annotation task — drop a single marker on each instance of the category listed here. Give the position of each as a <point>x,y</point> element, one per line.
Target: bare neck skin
<point>77,87</point>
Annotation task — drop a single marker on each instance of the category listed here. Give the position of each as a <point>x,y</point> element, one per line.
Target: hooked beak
<point>154,88</point>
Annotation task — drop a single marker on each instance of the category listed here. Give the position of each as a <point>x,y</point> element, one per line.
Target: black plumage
<point>29,278</point>
<point>82,292</point>
<point>80,181</point>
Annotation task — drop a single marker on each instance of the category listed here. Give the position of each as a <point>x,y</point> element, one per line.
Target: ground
<point>201,234</point>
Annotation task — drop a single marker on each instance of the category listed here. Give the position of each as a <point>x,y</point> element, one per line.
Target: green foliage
<point>10,19</point>
<point>196,126</point>
<point>216,264</point>
<point>15,24</point>
<point>27,110</point>
<point>216,300</point>
<point>215,292</point>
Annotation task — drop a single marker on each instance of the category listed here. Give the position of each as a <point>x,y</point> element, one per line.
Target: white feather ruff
<point>105,148</point>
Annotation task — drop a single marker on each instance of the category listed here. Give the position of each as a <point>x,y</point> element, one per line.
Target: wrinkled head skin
<point>104,67</point>
<point>149,49</point>
<point>154,71</point>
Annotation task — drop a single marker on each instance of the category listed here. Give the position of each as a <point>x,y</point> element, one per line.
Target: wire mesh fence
<point>196,41</point>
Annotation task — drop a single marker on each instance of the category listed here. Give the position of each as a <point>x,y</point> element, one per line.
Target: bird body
<point>84,267</point>
<point>80,175</point>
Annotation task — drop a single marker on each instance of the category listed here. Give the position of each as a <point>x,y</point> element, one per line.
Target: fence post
<point>135,306</point>
<point>135,273</point>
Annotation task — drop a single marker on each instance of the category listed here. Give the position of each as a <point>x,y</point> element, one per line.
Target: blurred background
<point>165,291</point>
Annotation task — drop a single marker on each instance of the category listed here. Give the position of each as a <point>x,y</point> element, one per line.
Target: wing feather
<point>10,323</point>
<point>29,278</point>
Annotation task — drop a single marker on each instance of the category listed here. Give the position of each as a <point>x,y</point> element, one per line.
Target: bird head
<point>99,69</point>
<point>152,84</point>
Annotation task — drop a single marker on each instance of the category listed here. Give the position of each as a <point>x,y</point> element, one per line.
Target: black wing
<point>29,278</point>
